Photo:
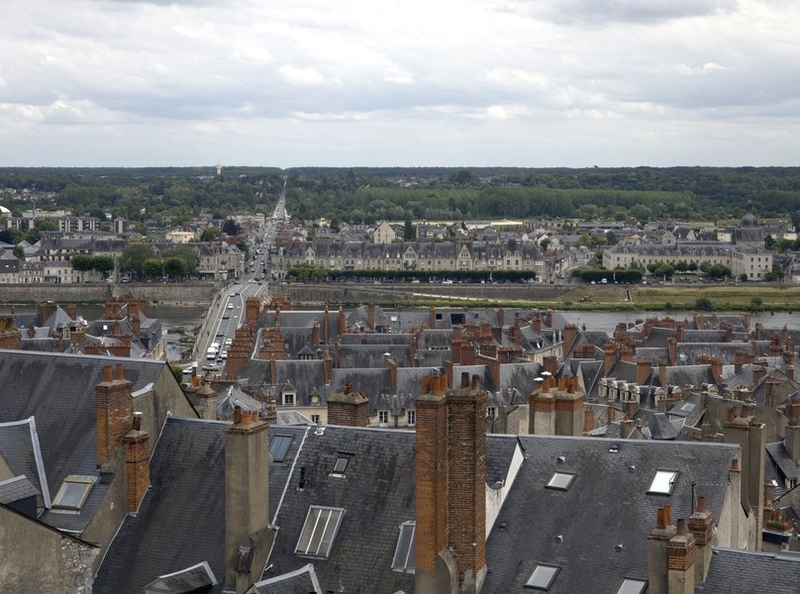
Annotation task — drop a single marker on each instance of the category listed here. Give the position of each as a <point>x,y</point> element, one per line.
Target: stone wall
<point>187,293</point>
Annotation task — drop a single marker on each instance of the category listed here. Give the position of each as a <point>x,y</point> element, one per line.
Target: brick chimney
<point>680,558</point>
<point>569,409</point>
<point>315,335</point>
<point>137,462</point>
<point>609,357</point>
<point>550,364</point>
<point>451,488</point>
<point>252,311</point>
<point>348,408</point>
<point>371,316</point>
<point>542,410</point>
<point>759,371</point>
<point>569,335</point>
<point>657,557</point>
<point>248,537</point>
<point>644,368</point>
<point>701,525</point>
<point>133,318</point>
<point>113,410</point>
<point>326,326</point>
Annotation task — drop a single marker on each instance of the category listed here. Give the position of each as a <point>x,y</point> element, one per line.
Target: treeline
<point>368,195</point>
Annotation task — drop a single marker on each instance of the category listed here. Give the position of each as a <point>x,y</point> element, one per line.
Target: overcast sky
<point>533,83</point>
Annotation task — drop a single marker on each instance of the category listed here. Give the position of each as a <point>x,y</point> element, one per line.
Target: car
<point>211,367</point>
<point>226,316</point>
<point>228,341</point>
<point>230,306</point>
<point>233,295</point>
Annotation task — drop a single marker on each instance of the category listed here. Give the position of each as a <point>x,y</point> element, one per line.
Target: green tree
<point>19,252</point>
<point>104,265</point>
<point>176,268</point>
<point>210,234</point>
<point>134,256</point>
<point>82,263</point>
<point>188,254</point>
<point>409,231</point>
<point>152,268</point>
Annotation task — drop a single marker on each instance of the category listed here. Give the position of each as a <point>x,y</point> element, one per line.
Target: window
<point>279,446</point>
<point>412,417</point>
<point>73,492</point>
<point>341,464</point>
<point>491,411</point>
<point>542,577</point>
<point>288,398</point>
<point>316,538</point>
<point>663,482</point>
<point>404,554</point>
<point>630,586</point>
<point>560,481</point>
<point>315,419</point>
<point>383,417</point>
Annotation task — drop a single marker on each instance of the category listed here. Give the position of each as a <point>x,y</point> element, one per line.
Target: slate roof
<point>377,494</point>
<point>606,505</point>
<point>58,390</point>
<point>185,505</point>
<point>745,571</point>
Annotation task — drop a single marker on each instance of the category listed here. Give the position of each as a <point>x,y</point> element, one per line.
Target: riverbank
<point>568,296</point>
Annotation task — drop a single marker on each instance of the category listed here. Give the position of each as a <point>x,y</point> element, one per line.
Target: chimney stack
<point>451,488</point>
<point>137,462</point>
<point>113,411</point>
<point>657,557</point>
<point>701,525</point>
<point>248,537</point>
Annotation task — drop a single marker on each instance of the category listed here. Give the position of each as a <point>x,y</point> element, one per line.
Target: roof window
<point>404,554</point>
<point>319,531</point>
<point>631,586</point>
<point>342,460</point>
<point>279,447</point>
<point>542,577</point>
<point>560,481</point>
<point>73,492</point>
<point>663,482</point>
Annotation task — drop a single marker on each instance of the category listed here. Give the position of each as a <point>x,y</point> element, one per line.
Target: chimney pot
<point>107,374</point>
<point>681,527</point>
<point>735,465</point>
<point>237,415</point>
<point>465,379</point>
<point>137,421</point>
<point>701,504</point>
<point>120,372</point>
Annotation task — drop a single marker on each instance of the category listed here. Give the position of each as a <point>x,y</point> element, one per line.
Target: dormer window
<point>288,398</point>
<point>73,492</point>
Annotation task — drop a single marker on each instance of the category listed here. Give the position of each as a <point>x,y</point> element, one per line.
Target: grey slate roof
<point>606,505</point>
<point>377,494</point>
<point>58,390</point>
<point>745,571</point>
<point>185,505</point>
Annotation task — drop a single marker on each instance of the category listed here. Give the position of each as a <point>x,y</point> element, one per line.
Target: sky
<point>291,83</point>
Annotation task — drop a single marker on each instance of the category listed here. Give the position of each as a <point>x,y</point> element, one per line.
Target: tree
<point>152,268</point>
<point>82,263</point>
<point>134,256</point>
<point>175,267</point>
<point>104,265</point>
<point>189,256</point>
<point>231,228</point>
<point>409,231</point>
<point>210,234</point>
<point>19,252</point>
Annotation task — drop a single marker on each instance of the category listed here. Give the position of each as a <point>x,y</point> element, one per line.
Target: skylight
<point>322,524</point>
<point>341,465</point>
<point>279,447</point>
<point>404,554</point>
<point>73,492</point>
<point>630,586</point>
<point>560,480</point>
<point>663,482</point>
<point>542,577</point>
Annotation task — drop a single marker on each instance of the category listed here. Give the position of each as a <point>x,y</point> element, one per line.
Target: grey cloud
<point>596,12</point>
